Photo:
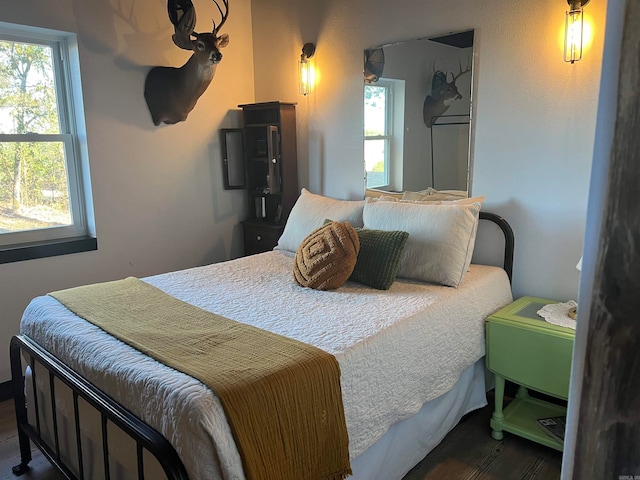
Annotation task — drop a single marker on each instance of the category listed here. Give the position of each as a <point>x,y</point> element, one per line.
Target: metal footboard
<point>145,438</point>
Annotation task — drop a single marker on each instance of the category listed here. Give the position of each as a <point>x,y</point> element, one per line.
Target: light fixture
<point>573,31</point>
<point>305,69</point>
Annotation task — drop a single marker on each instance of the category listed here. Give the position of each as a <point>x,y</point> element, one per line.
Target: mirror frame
<point>464,39</point>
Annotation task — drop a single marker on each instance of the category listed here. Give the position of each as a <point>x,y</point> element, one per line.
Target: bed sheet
<point>397,349</point>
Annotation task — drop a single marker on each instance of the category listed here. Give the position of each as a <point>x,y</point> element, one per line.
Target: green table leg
<point>498,417</point>
<point>522,392</point>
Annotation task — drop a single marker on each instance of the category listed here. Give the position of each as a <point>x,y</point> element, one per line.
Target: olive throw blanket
<point>282,397</point>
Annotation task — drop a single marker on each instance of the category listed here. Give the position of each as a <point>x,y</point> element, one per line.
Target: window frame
<point>80,235</point>
<point>388,131</point>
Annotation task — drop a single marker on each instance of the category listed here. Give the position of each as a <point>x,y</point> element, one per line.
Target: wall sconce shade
<point>305,69</point>
<point>573,31</point>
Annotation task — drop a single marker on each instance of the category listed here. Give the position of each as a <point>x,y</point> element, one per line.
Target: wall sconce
<point>305,69</point>
<point>573,31</point>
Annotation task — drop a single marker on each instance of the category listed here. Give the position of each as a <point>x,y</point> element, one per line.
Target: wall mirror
<point>233,171</point>
<point>417,104</point>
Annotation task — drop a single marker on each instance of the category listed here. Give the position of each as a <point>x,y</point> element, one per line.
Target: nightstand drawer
<point>535,358</point>
<point>260,238</point>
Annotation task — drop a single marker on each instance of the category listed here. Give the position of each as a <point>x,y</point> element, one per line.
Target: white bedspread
<point>396,349</point>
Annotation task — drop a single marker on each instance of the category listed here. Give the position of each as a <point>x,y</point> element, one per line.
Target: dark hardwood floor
<point>468,453</point>
<point>10,453</point>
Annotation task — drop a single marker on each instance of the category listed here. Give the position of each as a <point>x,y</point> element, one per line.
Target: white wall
<point>158,192</point>
<point>535,114</point>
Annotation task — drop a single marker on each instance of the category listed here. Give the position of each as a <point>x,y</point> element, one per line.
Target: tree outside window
<point>42,173</point>
<point>33,178</point>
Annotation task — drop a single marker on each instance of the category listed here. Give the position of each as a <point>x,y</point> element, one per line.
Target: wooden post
<point>604,440</point>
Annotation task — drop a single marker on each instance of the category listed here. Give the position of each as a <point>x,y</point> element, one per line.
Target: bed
<point>410,357</point>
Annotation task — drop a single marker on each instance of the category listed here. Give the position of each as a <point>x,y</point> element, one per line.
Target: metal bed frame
<point>145,437</point>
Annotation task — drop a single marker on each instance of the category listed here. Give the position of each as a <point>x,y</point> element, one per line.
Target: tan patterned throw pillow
<point>326,258</point>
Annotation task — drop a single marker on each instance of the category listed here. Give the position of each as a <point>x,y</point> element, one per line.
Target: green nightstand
<point>525,349</point>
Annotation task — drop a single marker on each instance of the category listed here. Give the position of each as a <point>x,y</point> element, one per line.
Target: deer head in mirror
<point>171,93</point>
<point>417,99</point>
<point>443,94</point>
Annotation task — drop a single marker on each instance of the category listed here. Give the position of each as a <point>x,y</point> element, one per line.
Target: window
<point>45,204</point>
<point>377,131</point>
<point>384,133</point>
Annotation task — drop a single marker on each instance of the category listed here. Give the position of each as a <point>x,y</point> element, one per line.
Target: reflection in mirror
<point>233,158</point>
<point>417,113</point>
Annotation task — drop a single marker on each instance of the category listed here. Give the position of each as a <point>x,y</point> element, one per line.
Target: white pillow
<point>441,237</point>
<point>310,211</point>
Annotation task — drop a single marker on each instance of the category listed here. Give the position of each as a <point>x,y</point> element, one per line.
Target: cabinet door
<point>274,179</point>
<point>262,145</point>
<point>233,158</point>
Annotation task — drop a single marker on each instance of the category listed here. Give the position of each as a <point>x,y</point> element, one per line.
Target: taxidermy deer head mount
<point>171,93</point>
<point>443,94</point>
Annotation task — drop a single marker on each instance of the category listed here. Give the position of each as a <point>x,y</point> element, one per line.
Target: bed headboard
<point>508,239</point>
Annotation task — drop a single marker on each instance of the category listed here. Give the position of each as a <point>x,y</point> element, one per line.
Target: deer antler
<point>183,17</point>
<point>224,15</point>
<point>462,72</point>
<point>433,64</point>
<point>439,77</point>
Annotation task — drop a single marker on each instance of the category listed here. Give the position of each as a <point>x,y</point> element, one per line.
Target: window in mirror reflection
<point>382,136</point>
<point>376,138</point>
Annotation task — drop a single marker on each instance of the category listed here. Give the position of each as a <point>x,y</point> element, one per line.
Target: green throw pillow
<point>379,257</point>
